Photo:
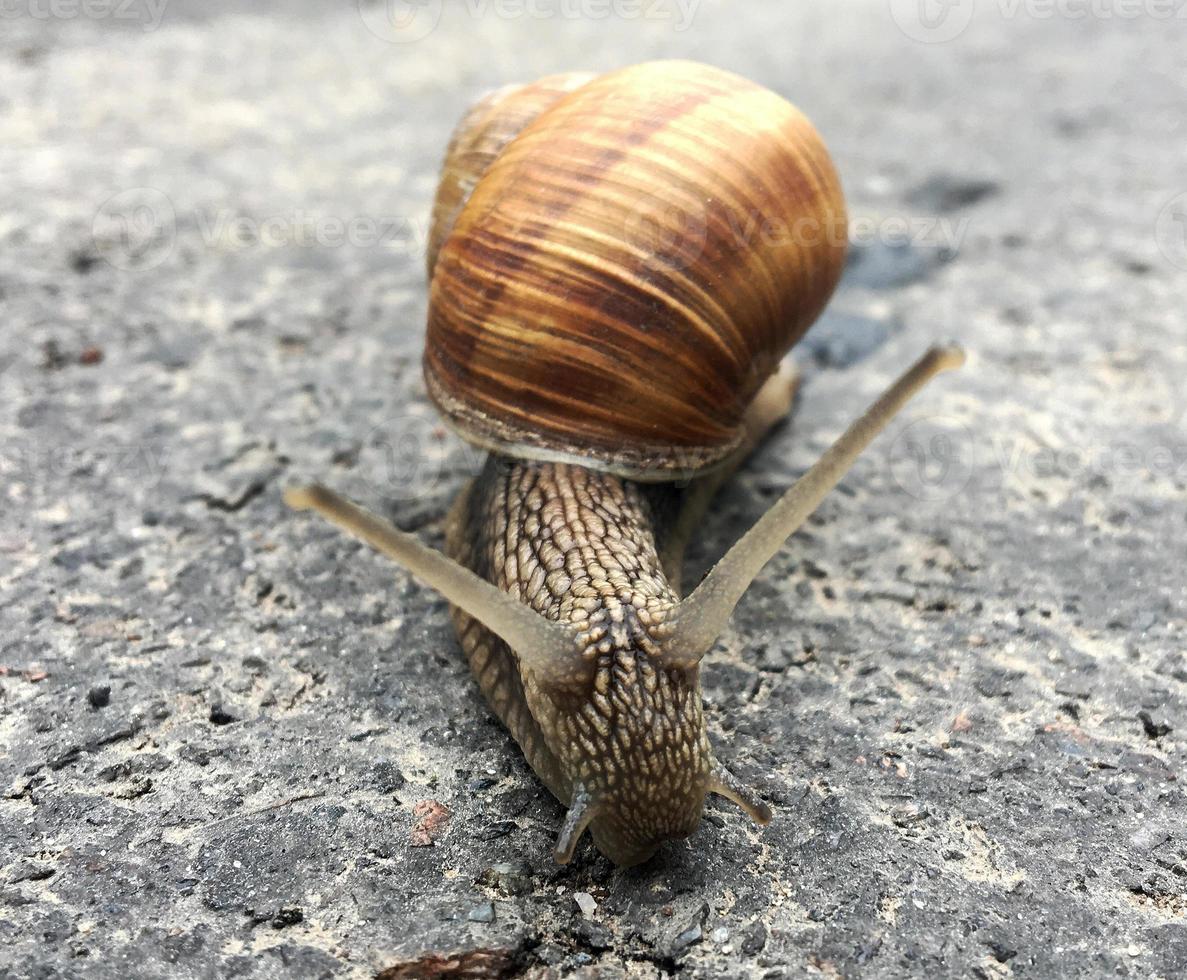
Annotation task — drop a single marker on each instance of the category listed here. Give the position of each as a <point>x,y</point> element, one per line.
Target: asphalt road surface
<point>233,743</point>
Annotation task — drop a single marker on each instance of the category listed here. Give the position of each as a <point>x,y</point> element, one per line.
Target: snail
<point>604,321</point>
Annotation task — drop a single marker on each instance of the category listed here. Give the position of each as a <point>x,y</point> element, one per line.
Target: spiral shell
<point>492,122</point>
<point>618,263</point>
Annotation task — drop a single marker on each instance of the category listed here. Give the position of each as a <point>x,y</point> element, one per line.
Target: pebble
<point>482,913</point>
<point>508,878</point>
<point>220,715</point>
<point>585,901</point>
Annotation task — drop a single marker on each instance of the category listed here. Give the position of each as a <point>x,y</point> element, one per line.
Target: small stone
<point>386,778</point>
<point>719,935</point>
<point>594,935</point>
<point>495,830</point>
<point>99,696</point>
<point>118,770</point>
<point>1153,729</point>
<point>30,871</point>
<point>137,786</point>
<point>195,754</point>
<point>688,937</point>
<point>220,716</point>
<point>585,902</point>
<point>287,917</point>
<point>510,879</point>
<point>1001,952</point>
<point>482,913</point>
<point>549,954</point>
<point>755,939</point>
<point>907,816</point>
<point>62,759</point>
<point>52,357</point>
<point>432,818</point>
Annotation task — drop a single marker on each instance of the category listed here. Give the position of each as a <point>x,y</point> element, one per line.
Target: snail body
<point>601,320</point>
<point>578,546</point>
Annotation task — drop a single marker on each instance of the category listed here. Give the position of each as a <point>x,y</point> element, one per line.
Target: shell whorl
<point>489,125</point>
<point>636,254</point>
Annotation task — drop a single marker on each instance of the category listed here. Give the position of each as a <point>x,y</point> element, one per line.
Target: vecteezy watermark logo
<point>932,21</point>
<point>231,231</point>
<point>147,13</point>
<point>135,229</point>
<point>936,21</point>
<point>138,228</point>
<point>1171,231</point>
<point>401,21</point>
<point>932,459</point>
<point>35,462</point>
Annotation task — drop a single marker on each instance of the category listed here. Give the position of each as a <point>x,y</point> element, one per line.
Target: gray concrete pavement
<point>225,730</point>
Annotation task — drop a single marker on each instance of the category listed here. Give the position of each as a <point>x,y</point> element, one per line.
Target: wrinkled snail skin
<point>606,317</point>
<point>579,547</point>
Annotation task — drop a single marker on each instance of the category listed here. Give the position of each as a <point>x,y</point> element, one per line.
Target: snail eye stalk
<point>703,615</point>
<point>542,645</point>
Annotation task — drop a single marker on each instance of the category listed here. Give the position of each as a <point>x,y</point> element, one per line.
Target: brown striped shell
<point>618,263</point>
<point>492,122</point>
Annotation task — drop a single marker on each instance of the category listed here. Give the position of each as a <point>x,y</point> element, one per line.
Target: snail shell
<point>619,263</point>
<point>489,125</point>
